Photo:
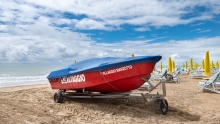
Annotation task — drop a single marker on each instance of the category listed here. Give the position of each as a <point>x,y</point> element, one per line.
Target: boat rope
<point>107,82</point>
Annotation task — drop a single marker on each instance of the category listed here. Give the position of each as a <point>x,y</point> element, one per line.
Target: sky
<point>61,31</point>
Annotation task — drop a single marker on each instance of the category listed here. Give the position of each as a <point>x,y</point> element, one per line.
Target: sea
<point>17,75</point>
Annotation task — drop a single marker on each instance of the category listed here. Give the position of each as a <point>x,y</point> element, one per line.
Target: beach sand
<point>34,104</point>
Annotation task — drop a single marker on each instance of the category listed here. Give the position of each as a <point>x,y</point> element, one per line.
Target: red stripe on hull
<point>120,79</point>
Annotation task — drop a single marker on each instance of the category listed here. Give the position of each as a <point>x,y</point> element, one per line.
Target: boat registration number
<point>73,78</point>
<point>124,68</point>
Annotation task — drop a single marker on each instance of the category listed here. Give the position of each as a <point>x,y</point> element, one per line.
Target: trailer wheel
<point>163,106</point>
<point>58,97</point>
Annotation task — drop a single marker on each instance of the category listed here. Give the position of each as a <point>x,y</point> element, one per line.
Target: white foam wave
<point>22,80</point>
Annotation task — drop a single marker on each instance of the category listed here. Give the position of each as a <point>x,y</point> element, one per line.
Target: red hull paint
<point>120,79</point>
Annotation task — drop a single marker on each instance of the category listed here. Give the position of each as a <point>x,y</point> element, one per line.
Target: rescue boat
<point>109,74</point>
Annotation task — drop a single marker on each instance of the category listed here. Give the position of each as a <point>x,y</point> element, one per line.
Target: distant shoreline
<point>22,87</point>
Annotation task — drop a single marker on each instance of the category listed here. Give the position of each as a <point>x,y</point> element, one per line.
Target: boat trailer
<point>160,103</point>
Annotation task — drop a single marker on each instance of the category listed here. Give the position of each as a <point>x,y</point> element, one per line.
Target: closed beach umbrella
<point>186,65</point>
<point>203,64</point>
<point>173,65</point>
<point>207,64</point>
<point>161,66</point>
<point>213,64</point>
<point>197,65</point>
<point>183,65</point>
<point>191,64</point>
<point>194,66</point>
<point>169,65</point>
<point>217,65</point>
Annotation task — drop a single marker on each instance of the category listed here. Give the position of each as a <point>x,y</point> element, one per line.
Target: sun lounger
<point>159,76</point>
<point>185,71</point>
<point>211,84</point>
<point>176,77</point>
<point>197,75</point>
<point>170,78</point>
<point>214,71</point>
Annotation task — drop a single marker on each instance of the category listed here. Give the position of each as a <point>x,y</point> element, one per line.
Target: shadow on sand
<point>132,108</point>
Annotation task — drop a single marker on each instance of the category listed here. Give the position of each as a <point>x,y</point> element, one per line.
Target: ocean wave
<point>22,80</point>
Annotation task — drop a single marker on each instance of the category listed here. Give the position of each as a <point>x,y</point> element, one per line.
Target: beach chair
<point>197,75</point>
<point>174,78</point>
<point>211,84</point>
<point>214,70</point>
<point>159,76</point>
<point>185,71</point>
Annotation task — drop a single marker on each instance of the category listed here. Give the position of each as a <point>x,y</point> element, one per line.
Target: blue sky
<point>59,32</point>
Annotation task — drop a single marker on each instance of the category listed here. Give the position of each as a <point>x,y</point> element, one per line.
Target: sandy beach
<point>34,104</point>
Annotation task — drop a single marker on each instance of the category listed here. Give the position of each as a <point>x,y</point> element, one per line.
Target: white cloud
<point>3,28</point>
<point>90,24</point>
<point>45,44</point>
<point>108,14</point>
<point>140,37</point>
<point>31,35</point>
<point>41,44</point>
<point>196,30</point>
<point>203,31</point>
<point>142,29</point>
<point>198,24</point>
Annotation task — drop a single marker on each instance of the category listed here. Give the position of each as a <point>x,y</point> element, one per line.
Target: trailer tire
<point>163,107</point>
<point>58,97</point>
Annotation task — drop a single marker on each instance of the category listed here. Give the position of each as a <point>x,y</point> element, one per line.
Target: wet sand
<point>34,104</point>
